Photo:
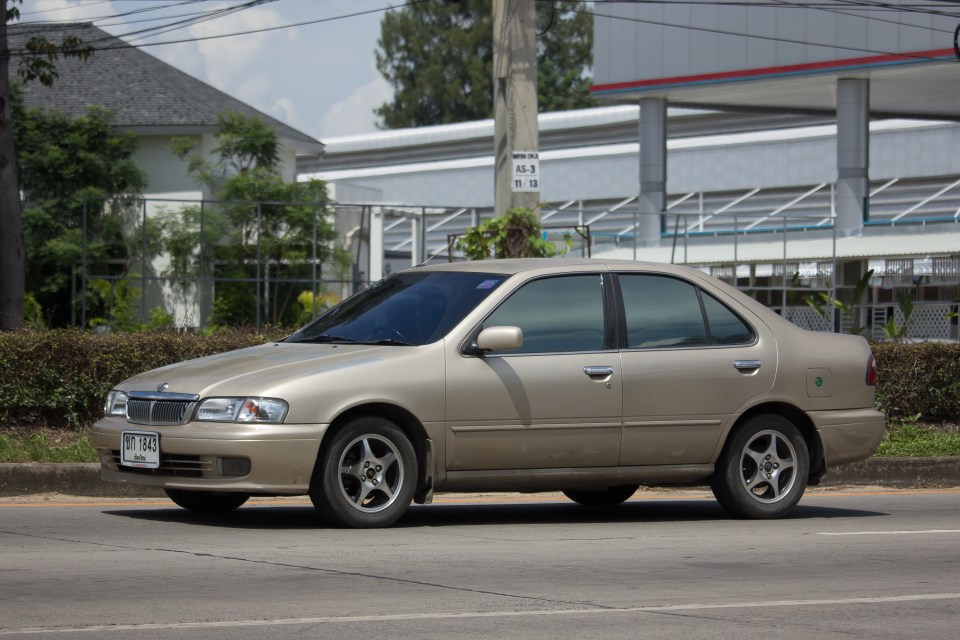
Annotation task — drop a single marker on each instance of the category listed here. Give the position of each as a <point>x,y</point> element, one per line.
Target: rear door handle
<point>746,365</point>
<point>598,372</point>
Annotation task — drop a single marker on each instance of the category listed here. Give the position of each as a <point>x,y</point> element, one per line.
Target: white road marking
<point>474,614</point>
<point>886,533</point>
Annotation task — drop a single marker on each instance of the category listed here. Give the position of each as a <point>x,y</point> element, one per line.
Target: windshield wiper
<point>390,341</point>
<point>326,338</point>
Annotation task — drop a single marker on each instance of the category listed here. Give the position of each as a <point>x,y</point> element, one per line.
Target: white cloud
<point>229,60</point>
<point>58,11</point>
<point>354,114</point>
<point>284,110</point>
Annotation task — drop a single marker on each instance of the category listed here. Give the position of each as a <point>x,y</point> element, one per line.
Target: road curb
<point>84,479</point>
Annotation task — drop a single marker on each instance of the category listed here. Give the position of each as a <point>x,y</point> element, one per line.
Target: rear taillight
<point>871,372</point>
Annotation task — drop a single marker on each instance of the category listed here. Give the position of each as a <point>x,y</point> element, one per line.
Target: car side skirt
<point>574,478</point>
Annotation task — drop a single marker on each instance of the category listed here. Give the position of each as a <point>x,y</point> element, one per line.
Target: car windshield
<point>407,308</point>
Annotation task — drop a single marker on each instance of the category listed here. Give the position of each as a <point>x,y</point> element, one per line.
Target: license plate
<point>140,449</point>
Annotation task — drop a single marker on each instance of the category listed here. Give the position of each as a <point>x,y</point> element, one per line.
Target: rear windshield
<point>407,308</point>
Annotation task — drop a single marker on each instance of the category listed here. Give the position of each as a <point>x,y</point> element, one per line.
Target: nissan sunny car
<point>584,376</point>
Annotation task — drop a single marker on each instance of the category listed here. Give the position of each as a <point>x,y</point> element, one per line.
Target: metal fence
<point>172,257</point>
<point>187,280</point>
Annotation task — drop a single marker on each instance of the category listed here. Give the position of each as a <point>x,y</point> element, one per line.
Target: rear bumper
<point>282,457</point>
<point>849,435</point>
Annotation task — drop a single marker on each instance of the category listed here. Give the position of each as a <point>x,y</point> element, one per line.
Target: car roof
<point>520,265</point>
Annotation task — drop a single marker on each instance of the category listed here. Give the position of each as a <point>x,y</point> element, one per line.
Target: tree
<point>260,222</point>
<point>438,57</point>
<point>36,64</point>
<point>71,168</point>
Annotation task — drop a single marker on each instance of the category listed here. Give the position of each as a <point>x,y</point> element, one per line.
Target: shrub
<point>59,378</point>
<point>919,379</point>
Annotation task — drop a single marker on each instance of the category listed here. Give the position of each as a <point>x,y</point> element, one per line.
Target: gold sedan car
<point>586,376</point>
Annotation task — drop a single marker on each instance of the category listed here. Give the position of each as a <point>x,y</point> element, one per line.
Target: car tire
<point>762,472</point>
<point>366,474</point>
<point>206,501</point>
<point>604,498</point>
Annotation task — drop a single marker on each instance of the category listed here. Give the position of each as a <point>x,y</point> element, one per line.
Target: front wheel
<point>605,498</point>
<point>206,501</point>
<point>366,475</point>
<point>762,472</point>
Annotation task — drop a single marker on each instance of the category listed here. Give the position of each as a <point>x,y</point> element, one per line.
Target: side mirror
<point>500,339</point>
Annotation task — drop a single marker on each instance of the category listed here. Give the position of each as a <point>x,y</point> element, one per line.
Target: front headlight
<point>116,404</point>
<point>242,410</point>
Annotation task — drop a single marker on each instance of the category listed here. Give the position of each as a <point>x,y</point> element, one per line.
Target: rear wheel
<point>206,501</point>
<point>762,472</point>
<point>609,497</point>
<point>366,475</point>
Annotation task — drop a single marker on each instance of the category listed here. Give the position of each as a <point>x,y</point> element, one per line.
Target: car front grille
<point>157,412</point>
<point>171,465</point>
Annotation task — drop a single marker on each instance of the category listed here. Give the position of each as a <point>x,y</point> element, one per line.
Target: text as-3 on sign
<point>526,171</point>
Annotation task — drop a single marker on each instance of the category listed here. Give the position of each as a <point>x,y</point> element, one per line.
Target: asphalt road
<point>852,563</point>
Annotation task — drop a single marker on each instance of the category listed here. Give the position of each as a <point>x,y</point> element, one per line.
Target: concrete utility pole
<point>516,139</point>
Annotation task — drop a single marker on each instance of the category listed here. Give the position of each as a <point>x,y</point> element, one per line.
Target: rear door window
<point>663,312</point>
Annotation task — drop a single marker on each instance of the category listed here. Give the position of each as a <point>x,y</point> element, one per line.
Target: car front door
<point>553,403</point>
<point>689,364</point>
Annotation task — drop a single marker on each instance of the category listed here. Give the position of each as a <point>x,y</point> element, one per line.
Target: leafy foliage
<point>60,377</point>
<point>64,162</point>
<point>39,63</point>
<point>261,221</point>
<point>518,234</point>
<point>891,329</point>
<point>847,304</point>
<point>919,380</point>
<point>438,57</point>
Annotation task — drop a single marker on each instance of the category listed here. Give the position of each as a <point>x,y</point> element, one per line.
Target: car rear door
<point>689,363</point>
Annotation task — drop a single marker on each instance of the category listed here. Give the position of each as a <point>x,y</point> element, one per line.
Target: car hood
<point>274,369</point>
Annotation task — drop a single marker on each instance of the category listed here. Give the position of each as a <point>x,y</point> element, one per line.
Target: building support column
<point>853,155</point>
<point>653,171</point>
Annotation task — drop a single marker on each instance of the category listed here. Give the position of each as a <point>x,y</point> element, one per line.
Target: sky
<point>319,78</point>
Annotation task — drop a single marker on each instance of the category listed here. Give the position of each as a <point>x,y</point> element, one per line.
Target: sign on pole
<point>526,172</point>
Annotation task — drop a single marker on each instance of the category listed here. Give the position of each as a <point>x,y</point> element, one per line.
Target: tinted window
<point>725,326</point>
<point>409,307</point>
<point>556,314</point>
<point>661,312</point>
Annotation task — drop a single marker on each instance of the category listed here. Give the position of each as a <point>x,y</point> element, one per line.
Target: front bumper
<point>849,435</point>
<point>282,456</point>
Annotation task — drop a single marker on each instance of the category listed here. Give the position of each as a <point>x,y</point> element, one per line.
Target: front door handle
<point>598,372</point>
<point>746,365</point>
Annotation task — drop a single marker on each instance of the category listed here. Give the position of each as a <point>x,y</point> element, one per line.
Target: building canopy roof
<point>145,94</point>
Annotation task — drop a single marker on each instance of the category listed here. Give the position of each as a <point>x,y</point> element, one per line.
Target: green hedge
<point>59,378</point>
<point>919,379</point>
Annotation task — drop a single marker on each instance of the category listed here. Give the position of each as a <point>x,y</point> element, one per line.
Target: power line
<point>688,27</point>
<point>834,6</point>
<point>410,3</point>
